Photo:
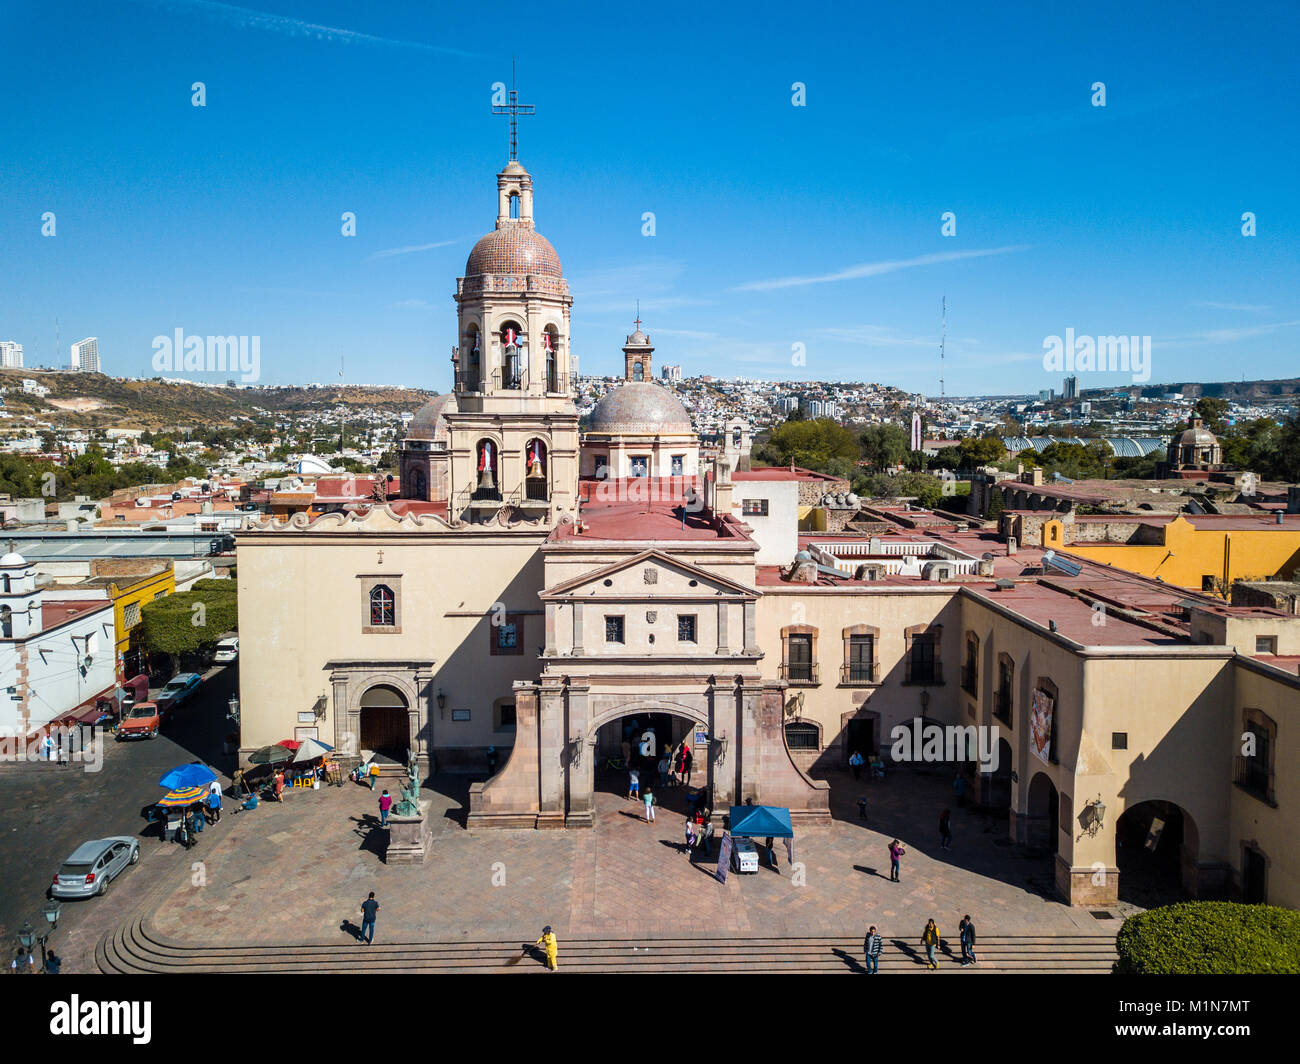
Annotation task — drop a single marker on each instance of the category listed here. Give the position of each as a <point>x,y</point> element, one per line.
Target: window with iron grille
<point>131,615</point>
<point>753,507</point>
<point>614,629</point>
<point>799,663</point>
<point>802,737</point>
<point>921,659</point>
<point>686,628</point>
<point>862,659</point>
<point>382,607</point>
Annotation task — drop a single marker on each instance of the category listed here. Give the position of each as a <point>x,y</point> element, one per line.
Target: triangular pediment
<point>651,573</point>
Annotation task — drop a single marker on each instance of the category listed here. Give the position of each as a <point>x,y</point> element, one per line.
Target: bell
<point>535,469</point>
<point>485,480</point>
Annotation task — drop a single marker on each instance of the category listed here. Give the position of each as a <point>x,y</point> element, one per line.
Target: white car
<point>227,651</point>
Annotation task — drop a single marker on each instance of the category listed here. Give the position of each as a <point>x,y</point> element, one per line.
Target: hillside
<point>92,400</point>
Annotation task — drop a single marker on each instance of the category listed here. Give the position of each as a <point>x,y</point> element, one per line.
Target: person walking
<point>662,768</point>
<point>855,763</point>
<point>691,837</point>
<point>706,839</point>
<point>930,940</point>
<point>896,851</point>
<point>237,783</point>
<point>196,813</point>
<point>968,941</point>
<point>279,785</point>
<point>492,761</point>
<point>369,908</point>
<point>214,806</point>
<point>552,947</point>
<point>385,804</point>
<point>945,829</point>
<point>871,947</point>
<point>633,783</point>
<point>649,799</point>
<point>685,767</point>
<point>959,789</point>
<point>862,807</point>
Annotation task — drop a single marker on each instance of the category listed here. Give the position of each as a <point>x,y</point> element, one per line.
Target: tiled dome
<point>513,250</point>
<point>640,408</point>
<point>428,423</point>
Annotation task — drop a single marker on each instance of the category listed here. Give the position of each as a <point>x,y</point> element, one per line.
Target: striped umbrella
<point>184,796</point>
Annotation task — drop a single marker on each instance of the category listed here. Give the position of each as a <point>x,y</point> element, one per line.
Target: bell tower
<point>636,355</point>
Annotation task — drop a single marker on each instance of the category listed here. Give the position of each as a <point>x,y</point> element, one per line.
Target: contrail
<point>874,269</point>
<point>246,18</point>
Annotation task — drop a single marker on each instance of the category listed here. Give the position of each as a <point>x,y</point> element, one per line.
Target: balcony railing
<point>1251,775</point>
<point>859,672</point>
<point>536,489</point>
<point>1002,705</point>
<point>799,672</point>
<point>970,679</point>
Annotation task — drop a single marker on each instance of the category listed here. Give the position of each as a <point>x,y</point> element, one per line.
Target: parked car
<point>179,690</point>
<point>227,650</point>
<point>142,721</point>
<point>93,866</point>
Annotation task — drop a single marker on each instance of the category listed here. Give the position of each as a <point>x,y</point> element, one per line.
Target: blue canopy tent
<point>761,821</point>
<point>195,774</point>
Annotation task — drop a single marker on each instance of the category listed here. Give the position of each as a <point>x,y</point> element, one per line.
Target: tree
<point>190,622</point>
<point>884,445</point>
<point>1213,412</point>
<point>811,444</point>
<point>982,451</point>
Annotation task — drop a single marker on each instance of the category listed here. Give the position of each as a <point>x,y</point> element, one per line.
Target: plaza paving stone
<point>298,872</point>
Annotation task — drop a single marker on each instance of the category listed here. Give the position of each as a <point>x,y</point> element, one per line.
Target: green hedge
<point>1210,938</point>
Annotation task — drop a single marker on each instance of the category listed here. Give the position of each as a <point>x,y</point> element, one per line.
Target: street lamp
<point>232,709</point>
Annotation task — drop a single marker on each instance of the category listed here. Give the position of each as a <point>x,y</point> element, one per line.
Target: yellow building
<point>130,588</point>
<point>1202,552</point>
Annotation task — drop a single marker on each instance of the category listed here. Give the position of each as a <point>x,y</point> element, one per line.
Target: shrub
<point>1210,938</point>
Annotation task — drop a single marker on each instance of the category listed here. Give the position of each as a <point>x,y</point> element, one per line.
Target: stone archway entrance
<point>1042,819</point>
<point>645,731</point>
<point>384,719</point>
<point>1157,854</point>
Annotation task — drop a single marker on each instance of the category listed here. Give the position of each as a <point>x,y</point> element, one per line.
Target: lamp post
<point>232,709</point>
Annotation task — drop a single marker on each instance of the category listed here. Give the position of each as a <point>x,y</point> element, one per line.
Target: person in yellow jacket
<point>552,947</point>
<point>930,940</point>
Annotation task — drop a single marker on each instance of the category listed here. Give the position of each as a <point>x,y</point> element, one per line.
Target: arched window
<point>512,356</point>
<point>472,364</point>
<point>514,205</point>
<point>638,371</point>
<point>536,483</point>
<point>7,585</point>
<point>383,611</point>
<point>551,348</point>
<point>419,485</point>
<point>6,622</point>
<point>487,484</point>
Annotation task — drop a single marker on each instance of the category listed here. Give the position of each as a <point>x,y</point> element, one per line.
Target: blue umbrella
<point>194,774</point>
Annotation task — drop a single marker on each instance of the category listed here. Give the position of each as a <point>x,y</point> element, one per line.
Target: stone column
<point>751,630</point>
<point>549,649</point>
<point>724,642</point>
<point>581,781</point>
<point>723,723</point>
<point>346,721</point>
<point>422,725</point>
<point>551,742</point>
<point>747,700</point>
<point>578,650</point>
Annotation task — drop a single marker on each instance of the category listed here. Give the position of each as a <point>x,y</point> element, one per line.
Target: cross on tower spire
<point>638,315</point>
<point>514,109</point>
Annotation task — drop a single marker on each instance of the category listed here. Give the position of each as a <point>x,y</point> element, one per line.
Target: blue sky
<point>776,225</point>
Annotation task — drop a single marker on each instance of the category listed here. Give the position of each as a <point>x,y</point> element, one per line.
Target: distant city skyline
<point>790,242</point>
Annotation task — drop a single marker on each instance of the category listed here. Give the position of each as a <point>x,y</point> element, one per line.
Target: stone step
<point>135,948</point>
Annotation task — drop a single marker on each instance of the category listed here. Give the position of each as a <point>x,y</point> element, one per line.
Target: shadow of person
<point>909,950</point>
<point>349,928</point>
<point>534,952</point>
<point>868,871</point>
<point>853,963</point>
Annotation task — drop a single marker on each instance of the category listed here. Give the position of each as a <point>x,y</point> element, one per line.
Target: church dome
<point>1198,435</point>
<point>513,249</point>
<point>12,560</point>
<point>639,408</point>
<point>429,423</point>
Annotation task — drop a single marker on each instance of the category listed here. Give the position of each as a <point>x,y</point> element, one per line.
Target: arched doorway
<point>385,723</point>
<point>1041,831</point>
<point>639,739</point>
<point>997,784</point>
<point>1157,853</point>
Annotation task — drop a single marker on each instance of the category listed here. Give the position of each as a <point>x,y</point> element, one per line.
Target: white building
<point>818,408</point>
<point>11,355</point>
<point>672,373</point>
<point>32,387</point>
<point>85,355</point>
<point>54,656</point>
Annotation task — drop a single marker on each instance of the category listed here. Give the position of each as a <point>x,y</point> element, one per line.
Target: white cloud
<point>390,252</point>
<point>1254,307</point>
<point>875,269</point>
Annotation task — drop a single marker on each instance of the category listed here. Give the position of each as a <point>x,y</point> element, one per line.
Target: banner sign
<point>724,857</point>
<point>1040,725</point>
